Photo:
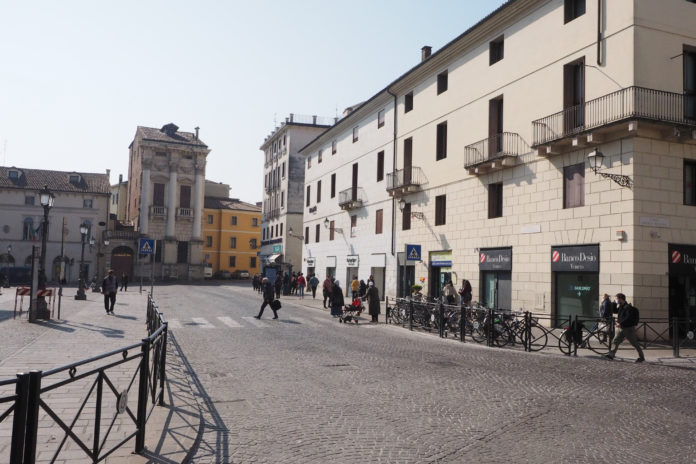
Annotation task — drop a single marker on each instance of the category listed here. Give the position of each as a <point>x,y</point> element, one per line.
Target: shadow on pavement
<point>67,326</point>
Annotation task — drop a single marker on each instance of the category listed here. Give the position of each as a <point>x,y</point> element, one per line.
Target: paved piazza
<point>306,389</point>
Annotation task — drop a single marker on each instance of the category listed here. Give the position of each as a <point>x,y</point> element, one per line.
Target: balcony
<point>271,214</point>
<point>158,211</point>
<point>494,153</point>
<point>597,120</point>
<point>128,235</point>
<point>184,213</point>
<point>405,181</point>
<point>351,198</point>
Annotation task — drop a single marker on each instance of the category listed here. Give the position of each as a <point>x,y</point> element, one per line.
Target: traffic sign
<point>413,253</point>
<point>146,246</point>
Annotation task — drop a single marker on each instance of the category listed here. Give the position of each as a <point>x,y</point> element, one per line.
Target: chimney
<point>314,119</point>
<point>108,174</point>
<point>425,52</point>
<point>259,204</point>
<point>197,128</point>
<point>120,179</point>
<point>291,117</point>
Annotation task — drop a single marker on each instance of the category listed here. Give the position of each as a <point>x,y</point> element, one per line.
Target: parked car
<point>222,275</point>
<point>240,274</point>
<point>207,272</point>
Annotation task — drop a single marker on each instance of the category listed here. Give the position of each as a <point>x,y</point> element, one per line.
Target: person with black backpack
<point>626,321</point>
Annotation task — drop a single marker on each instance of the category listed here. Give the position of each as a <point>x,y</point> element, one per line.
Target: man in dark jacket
<point>372,297</point>
<point>626,321</point>
<point>268,294</point>
<point>109,288</point>
<point>606,309</point>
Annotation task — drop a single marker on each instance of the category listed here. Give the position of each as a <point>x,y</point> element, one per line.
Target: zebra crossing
<point>227,322</point>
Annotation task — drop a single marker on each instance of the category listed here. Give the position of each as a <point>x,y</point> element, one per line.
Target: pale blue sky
<point>77,77</point>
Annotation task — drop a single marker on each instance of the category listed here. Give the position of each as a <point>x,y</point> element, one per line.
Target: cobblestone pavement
<point>307,389</point>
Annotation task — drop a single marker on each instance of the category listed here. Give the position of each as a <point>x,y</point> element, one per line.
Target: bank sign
<point>682,259</point>
<point>575,258</point>
<point>499,259</point>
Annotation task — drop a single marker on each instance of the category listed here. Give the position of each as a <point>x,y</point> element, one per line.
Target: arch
<point>123,250</point>
<point>60,272</point>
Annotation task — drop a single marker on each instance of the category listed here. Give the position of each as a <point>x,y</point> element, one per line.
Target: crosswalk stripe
<point>174,323</point>
<point>202,323</point>
<point>229,322</point>
<point>255,322</point>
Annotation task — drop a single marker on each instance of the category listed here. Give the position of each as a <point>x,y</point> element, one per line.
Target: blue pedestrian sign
<point>146,246</point>
<point>413,253</point>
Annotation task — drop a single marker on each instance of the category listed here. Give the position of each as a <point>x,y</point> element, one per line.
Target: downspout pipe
<point>393,237</point>
<point>599,32</point>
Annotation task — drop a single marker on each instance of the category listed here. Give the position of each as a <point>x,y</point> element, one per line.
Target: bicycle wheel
<point>598,341</point>
<point>478,332</point>
<point>539,337</point>
<point>452,324</point>
<point>501,335</point>
<point>564,342</point>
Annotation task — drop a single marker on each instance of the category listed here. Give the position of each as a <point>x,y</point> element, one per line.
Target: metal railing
<point>121,234</point>
<point>353,197</point>
<point>505,145</point>
<point>33,393</point>
<point>628,103</point>
<point>402,178</point>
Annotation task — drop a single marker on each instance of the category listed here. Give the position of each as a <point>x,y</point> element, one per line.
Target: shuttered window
<point>378,221</point>
<point>574,186</point>
<point>158,194</point>
<point>185,196</point>
<point>440,210</point>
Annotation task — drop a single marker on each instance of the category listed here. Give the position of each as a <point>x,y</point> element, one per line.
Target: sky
<point>78,77</point>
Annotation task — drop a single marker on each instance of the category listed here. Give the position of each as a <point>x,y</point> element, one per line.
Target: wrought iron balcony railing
<point>492,152</point>
<point>404,181</point>
<point>629,103</point>
<point>351,198</point>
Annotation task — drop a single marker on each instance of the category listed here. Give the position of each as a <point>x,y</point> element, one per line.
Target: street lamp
<point>291,234</point>
<point>46,198</point>
<point>596,158</point>
<point>81,285</point>
<point>415,214</point>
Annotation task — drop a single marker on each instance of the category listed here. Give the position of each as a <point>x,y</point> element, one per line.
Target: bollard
<point>141,418</point>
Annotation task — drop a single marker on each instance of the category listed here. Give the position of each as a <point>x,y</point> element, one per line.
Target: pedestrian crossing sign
<point>146,246</point>
<point>413,253</point>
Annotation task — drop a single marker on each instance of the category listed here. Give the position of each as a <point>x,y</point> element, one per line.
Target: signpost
<point>146,246</point>
<point>412,253</point>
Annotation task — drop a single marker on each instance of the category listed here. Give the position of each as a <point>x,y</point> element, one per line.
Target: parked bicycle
<point>595,339</point>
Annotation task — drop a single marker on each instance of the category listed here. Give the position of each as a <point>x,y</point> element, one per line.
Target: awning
<point>272,259</point>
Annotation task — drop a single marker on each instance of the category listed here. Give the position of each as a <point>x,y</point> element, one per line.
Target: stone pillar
<point>171,201</point>
<point>145,202</point>
<point>198,194</point>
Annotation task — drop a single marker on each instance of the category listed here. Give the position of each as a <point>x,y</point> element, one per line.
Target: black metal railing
<point>353,197</point>
<point>628,103</point>
<point>505,145</point>
<point>35,390</point>
<point>402,178</point>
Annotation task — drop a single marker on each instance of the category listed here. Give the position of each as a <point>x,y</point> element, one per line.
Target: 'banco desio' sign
<point>575,258</point>
<point>682,259</point>
<point>495,259</point>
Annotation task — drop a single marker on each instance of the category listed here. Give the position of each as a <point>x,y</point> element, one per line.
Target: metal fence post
<point>675,337</point>
<point>527,331</point>
<point>462,323</point>
<point>489,328</point>
<point>97,413</point>
<point>141,418</point>
<point>163,363</point>
<point>19,421</point>
<point>574,331</point>
<point>410,315</point>
<point>441,317</point>
<point>32,424</point>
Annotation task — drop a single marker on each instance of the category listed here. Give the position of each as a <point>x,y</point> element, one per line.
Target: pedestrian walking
<point>336,299</point>
<point>293,284</point>
<point>124,282</point>
<point>465,293</point>
<point>255,281</point>
<point>606,308</point>
<point>450,293</point>
<point>373,305</point>
<point>626,321</point>
<point>278,285</point>
<point>355,287</point>
<point>286,284</point>
<point>301,284</point>
<point>327,288</point>
<point>314,283</point>
<point>109,288</point>
<point>362,290</point>
<point>268,292</point>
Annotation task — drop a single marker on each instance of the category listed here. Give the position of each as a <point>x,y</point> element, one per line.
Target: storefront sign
<point>498,259</point>
<point>682,259</point>
<point>575,258</point>
<point>441,258</point>
<point>311,262</point>
<point>277,249</point>
<point>352,260</point>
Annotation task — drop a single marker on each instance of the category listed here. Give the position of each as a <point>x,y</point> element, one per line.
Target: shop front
<point>495,275</point>
<point>440,272</point>
<point>378,265</point>
<point>575,274</point>
<point>682,285</point>
<point>311,264</point>
<point>352,265</point>
<point>330,267</point>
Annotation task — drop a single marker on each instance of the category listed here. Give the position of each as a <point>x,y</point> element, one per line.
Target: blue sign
<point>413,253</point>
<point>277,248</point>
<point>146,246</point>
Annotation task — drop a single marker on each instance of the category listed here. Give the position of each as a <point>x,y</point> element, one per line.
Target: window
<point>495,126</point>
<point>380,166</point>
<point>263,233</point>
<point>208,241</point>
<point>252,244</point>
<point>182,252</point>
<point>318,191</point>
<point>74,179</point>
<point>353,225</point>
<point>690,183</point>
<point>355,134</point>
<point>378,221</point>
<point>233,220</point>
<point>408,102</point>
<point>185,196</point>
<point>406,217</point>
<point>233,242</point>
<point>233,261</point>
<point>332,228</point>
<point>319,156</point>
<point>308,195</point>
<point>254,222</point>
<point>440,210</point>
<point>283,170</point>
<point>306,235</point>
<point>210,219</point>
<point>282,199</point>
<point>309,161</point>
<point>87,203</point>
<point>333,185</point>
<point>158,251</point>
<point>574,186</point>
<point>690,83</point>
<point>28,231</point>
<point>13,174</point>
<point>441,144</point>
<point>380,119</point>
<point>252,262</point>
<point>442,82</point>
<point>573,9</point>
<point>496,50</point>
<point>281,229</point>
<point>495,200</point>
<point>574,94</point>
<point>29,200</point>
<point>157,194</point>
<point>317,229</point>
<point>334,147</point>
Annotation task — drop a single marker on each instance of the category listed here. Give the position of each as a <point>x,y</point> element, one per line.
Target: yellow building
<point>231,235</point>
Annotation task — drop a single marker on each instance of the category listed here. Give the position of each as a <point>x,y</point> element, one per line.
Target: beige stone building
<point>166,184</point>
<point>496,133</point>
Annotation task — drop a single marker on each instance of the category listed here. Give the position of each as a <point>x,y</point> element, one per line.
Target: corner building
<point>548,155</point>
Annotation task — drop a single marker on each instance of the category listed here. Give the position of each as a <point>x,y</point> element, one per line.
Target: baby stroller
<point>352,311</point>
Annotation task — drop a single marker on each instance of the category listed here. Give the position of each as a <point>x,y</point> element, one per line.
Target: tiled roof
<point>57,181</point>
<point>158,135</point>
<point>230,203</point>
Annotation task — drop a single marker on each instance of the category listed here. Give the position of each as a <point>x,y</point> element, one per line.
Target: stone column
<point>198,194</point>
<point>145,202</point>
<point>171,201</point>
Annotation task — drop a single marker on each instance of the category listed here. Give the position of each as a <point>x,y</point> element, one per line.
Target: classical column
<point>144,214</point>
<point>171,201</point>
<point>198,195</point>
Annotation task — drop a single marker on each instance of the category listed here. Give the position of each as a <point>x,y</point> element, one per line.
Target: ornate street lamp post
<point>81,285</point>
<point>46,198</point>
